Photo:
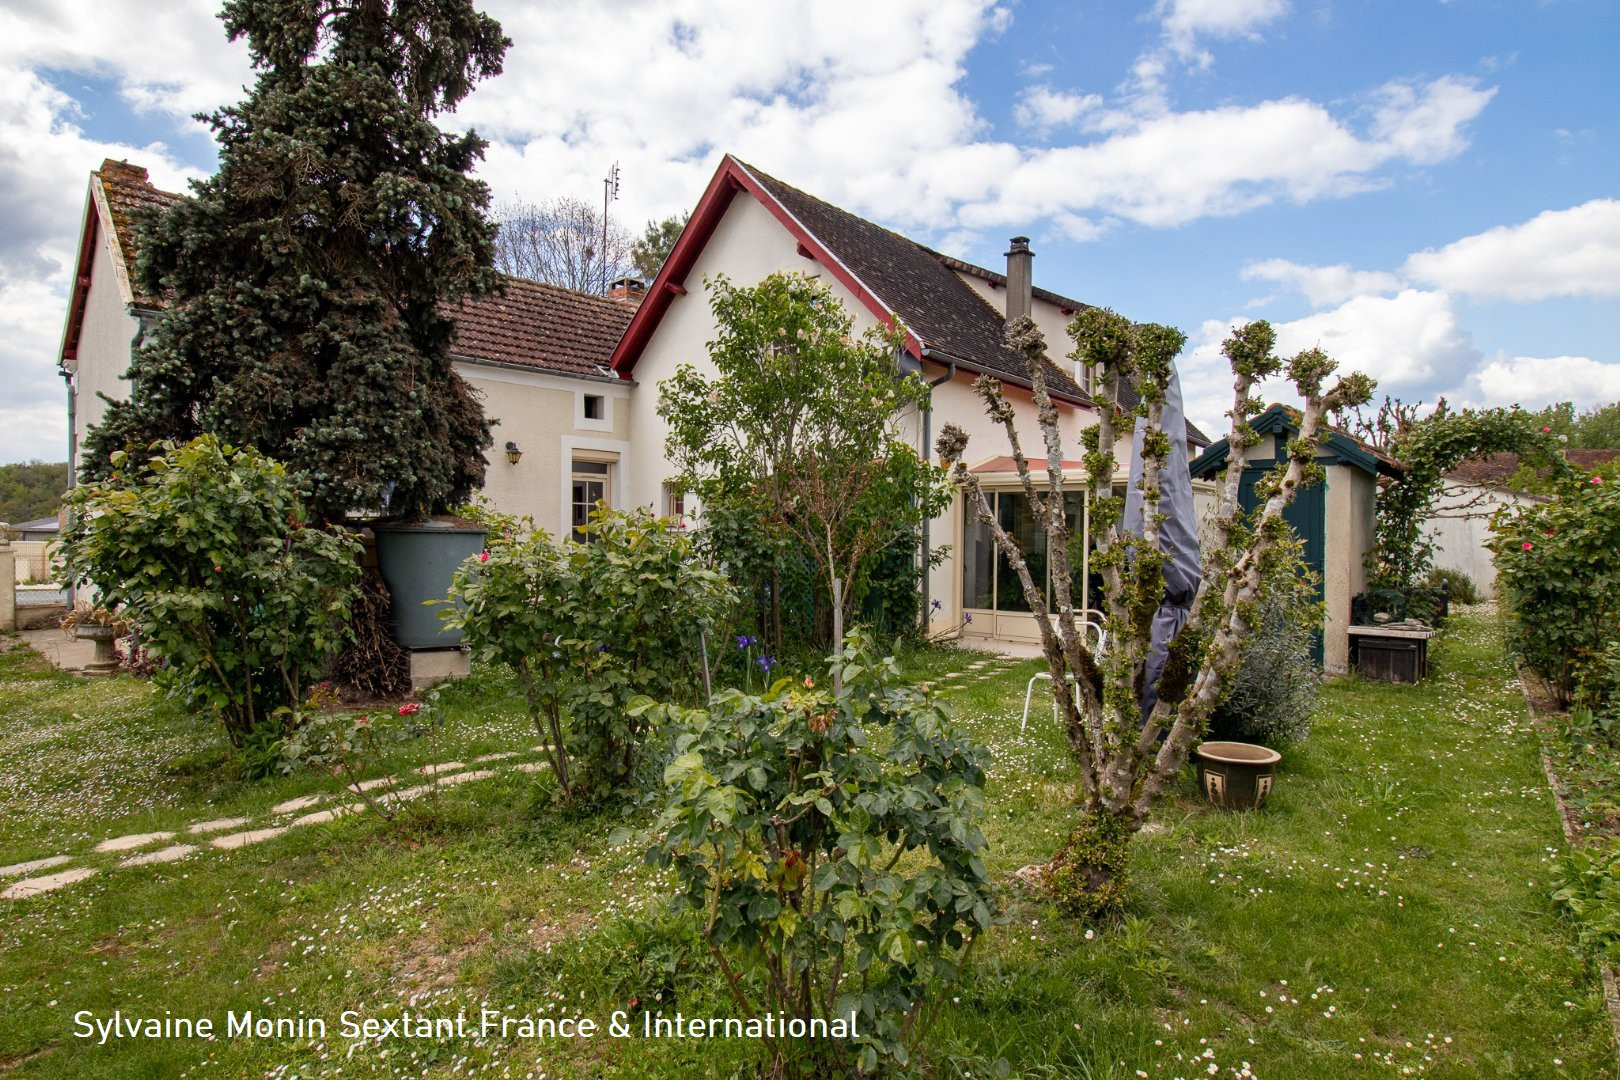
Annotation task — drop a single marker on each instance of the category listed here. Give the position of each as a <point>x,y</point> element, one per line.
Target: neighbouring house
<point>537,356</point>
<point>32,549</point>
<point>1334,519</point>
<point>571,379</point>
<point>749,225</point>
<point>1459,523</point>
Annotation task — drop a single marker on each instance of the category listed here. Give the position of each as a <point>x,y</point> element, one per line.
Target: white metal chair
<point>1029,691</point>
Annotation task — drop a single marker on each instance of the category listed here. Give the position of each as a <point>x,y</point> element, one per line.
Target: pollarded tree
<point>801,426</point>
<point>1127,759</point>
<point>304,282</point>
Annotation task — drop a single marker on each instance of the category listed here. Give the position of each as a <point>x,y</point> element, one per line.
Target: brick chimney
<point>628,290</point>
<point>1020,278</point>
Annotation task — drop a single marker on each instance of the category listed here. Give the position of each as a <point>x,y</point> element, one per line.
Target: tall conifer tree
<point>305,282</point>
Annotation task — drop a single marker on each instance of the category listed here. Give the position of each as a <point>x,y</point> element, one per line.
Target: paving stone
<point>462,778</point>
<point>162,855</point>
<point>134,840</point>
<point>322,816</point>
<point>27,887</point>
<point>303,802</point>
<point>34,864</point>
<point>442,767</point>
<point>533,766</point>
<point>243,839</point>
<point>487,758</point>
<point>367,785</point>
<point>407,794</point>
<point>218,824</point>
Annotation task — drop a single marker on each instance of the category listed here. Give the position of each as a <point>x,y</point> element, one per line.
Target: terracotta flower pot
<point>1234,775</point>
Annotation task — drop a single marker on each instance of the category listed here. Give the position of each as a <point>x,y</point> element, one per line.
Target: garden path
<point>236,833</point>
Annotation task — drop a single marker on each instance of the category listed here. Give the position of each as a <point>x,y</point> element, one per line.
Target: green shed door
<point>1307,516</point>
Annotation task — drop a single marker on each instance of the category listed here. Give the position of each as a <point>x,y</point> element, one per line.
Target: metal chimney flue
<point>1020,277</point>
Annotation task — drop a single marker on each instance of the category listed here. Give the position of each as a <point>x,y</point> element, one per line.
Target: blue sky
<point>1427,190</point>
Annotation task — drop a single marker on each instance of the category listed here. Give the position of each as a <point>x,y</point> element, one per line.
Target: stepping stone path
<point>36,864</point>
<point>34,886</point>
<point>162,855</point>
<point>441,775</point>
<point>243,839</point>
<point>218,825</point>
<point>462,778</point>
<point>124,843</point>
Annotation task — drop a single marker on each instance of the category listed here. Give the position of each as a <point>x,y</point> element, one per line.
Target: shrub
<point>1271,696</point>
<point>831,846</point>
<point>1458,585</point>
<point>204,547</point>
<point>588,626</point>
<point>1597,684</point>
<point>1558,571</point>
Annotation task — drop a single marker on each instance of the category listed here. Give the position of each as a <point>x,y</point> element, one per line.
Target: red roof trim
<point>81,285</point>
<point>728,179</point>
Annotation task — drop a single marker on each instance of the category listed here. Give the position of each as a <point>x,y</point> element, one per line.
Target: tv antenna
<point>610,191</point>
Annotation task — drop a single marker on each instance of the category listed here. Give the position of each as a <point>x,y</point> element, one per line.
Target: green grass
<point>1389,901</point>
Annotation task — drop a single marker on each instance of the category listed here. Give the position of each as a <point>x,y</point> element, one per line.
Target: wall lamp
<point>513,454</point>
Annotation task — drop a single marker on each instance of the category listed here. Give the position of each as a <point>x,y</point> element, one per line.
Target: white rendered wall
<point>1459,540</point>
<point>542,413</point>
<point>748,245</point>
<point>105,337</point>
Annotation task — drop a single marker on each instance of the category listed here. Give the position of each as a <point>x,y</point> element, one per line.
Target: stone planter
<point>417,560</point>
<point>103,637</point>
<point>1234,775</point>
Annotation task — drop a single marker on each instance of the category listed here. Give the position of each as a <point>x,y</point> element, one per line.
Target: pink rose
<point>1528,546</point>
<point>1597,479</point>
<point>484,557</point>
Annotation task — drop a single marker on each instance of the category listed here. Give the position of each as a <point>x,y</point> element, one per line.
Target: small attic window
<point>593,406</point>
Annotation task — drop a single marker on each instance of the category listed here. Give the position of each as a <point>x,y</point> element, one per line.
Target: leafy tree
<point>206,548</point>
<point>305,281</point>
<point>1597,428</point>
<point>561,242</point>
<point>657,240</point>
<point>1127,760</point>
<point>801,422</point>
<point>588,626</point>
<point>31,489</point>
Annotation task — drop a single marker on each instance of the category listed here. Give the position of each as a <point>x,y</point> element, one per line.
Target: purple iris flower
<point>766,663</point>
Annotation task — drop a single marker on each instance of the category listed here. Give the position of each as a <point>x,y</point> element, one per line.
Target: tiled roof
<point>542,326</point>
<point>1128,397</point>
<point>1495,470</point>
<point>130,195</point>
<point>944,312</point>
<point>922,286</point>
<point>533,325</point>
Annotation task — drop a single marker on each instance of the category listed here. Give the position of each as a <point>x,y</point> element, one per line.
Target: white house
<point>1459,523</point>
<point>537,356</point>
<point>748,225</point>
<point>571,379</point>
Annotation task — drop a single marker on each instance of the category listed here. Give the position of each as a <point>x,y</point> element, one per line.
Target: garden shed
<point>1334,519</point>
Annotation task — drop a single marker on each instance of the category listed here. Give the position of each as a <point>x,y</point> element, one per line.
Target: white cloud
<point>1187,20</point>
<point>1412,343</point>
<point>1574,252</point>
<point>1538,381</point>
<point>1322,285</point>
<point>1043,108</point>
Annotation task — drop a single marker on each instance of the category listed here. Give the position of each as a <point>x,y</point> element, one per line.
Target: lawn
<point>1386,912</point>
